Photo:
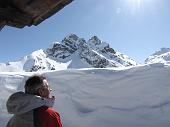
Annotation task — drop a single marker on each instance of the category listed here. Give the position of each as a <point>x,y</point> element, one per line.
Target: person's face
<point>45,90</point>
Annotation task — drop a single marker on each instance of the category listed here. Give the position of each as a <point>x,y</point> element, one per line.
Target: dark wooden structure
<point>21,13</point>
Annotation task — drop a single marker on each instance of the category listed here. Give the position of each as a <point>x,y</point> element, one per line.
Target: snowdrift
<point>133,97</point>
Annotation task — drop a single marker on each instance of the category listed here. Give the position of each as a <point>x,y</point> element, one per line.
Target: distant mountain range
<point>74,52</point>
<point>162,56</point>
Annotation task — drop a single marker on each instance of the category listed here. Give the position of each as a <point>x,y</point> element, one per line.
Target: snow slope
<point>133,97</point>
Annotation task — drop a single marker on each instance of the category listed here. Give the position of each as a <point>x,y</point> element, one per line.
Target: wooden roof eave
<point>21,13</point>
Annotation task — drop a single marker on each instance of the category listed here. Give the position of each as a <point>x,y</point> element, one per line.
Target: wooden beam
<point>53,7</point>
<point>14,17</point>
<point>2,24</point>
<point>20,13</point>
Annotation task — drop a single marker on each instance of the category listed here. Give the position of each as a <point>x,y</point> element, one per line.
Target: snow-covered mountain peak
<point>72,52</point>
<point>71,37</point>
<point>53,44</point>
<point>162,51</point>
<point>39,54</point>
<point>97,44</point>
<point>72,42</point>
<point>162,56</point>
<point>95,40</point>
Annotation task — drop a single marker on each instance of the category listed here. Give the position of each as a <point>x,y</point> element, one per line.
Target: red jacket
<point>46,117</point>
<point>29,111</point>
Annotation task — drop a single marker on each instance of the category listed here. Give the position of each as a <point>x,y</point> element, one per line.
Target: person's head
<point>37,85</point>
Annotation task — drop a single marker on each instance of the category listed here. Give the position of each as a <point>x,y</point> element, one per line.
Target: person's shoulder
<point>48,111</point>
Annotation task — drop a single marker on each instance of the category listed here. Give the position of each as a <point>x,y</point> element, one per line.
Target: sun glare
<point>139,3</point>
<point>136,3</point>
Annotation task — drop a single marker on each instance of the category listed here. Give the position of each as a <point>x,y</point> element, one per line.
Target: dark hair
<point>33,83</point>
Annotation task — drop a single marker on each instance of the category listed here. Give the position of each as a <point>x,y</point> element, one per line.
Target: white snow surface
<point>132,97</point>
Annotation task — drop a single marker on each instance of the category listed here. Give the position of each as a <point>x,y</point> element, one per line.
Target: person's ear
<point>40,92</point>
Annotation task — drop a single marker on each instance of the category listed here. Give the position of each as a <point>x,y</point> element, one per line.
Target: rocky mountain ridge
<point>94,52</point>
<point>71,52</point>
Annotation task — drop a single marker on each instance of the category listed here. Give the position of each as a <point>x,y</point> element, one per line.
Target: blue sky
<point>132,28</point>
